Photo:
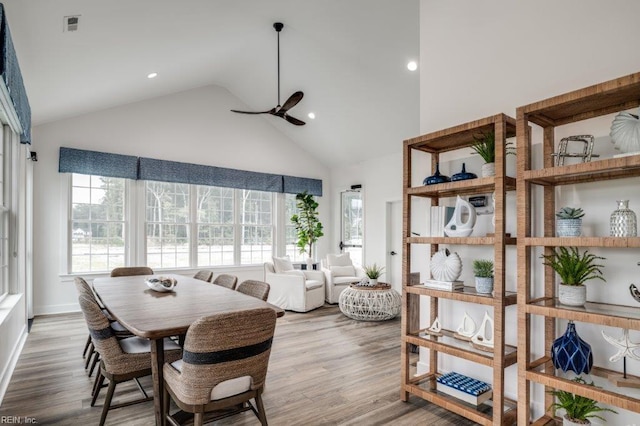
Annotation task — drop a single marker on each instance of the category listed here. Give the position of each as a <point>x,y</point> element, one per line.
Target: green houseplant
<point>483,272</point>
<point>578,409</point>
<point>373,272</point>
<point>569,222</point>
<point>308,226</point>
<point>485,146</point>
<point>574,269</point>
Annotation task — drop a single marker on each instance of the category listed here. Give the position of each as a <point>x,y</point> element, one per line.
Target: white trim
<point>65,217</point>
<point>5,377</point>
<point>6,106</point>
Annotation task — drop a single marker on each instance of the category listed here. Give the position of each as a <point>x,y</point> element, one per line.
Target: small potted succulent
<point>569,222</point>
<point>574,269</point>
<point>483,272</point>
<point>485,146</point>
<point>373,272</point>
<point>578,409</point>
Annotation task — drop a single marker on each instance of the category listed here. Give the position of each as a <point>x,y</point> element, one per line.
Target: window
<point>216,215</point>
<point>4,215</point>
<point>167,224</point>
<point>291,237</point>
<point>97,223</point>
<point>256,226</point>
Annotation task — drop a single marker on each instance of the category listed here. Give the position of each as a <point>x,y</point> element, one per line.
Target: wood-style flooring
<point>325,369</point>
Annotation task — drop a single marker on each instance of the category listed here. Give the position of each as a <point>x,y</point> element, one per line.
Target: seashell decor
<point>625,133</point>
<point>446,266</point>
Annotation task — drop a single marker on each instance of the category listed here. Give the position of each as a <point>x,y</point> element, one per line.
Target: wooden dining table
<point>155,315</point>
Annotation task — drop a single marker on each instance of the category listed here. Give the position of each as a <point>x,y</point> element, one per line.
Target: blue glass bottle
<point>570,352</point>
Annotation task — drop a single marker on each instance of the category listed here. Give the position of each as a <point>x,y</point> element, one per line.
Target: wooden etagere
<point>605,98</point>
<point>501,410</point>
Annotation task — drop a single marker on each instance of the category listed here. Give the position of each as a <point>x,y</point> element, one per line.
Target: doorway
<point>394,245</point>
<point>352,225</point>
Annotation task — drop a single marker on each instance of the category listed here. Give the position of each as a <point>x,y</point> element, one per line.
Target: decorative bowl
<point>161,284</point>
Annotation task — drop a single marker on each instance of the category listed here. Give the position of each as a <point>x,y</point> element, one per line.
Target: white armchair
<point>294,290</point>
<point>339,273</point>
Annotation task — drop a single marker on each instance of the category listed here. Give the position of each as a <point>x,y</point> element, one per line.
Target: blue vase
<point>570,352</point>
<point>436,178</point>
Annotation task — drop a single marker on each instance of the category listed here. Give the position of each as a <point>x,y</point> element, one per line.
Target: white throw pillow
<point>343,271</point>
<point>339,260</point>
<point>281,264</point>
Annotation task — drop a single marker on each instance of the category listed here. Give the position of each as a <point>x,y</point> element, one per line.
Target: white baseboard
<point>8,372</point>
<point>56,309</point>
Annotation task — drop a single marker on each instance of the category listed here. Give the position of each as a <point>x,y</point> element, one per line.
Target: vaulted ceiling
<point>348,56</point>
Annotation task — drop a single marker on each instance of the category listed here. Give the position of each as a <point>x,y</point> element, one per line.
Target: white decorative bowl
<point>625,133</point>
<point>161,284</point>
<point>446,266</point>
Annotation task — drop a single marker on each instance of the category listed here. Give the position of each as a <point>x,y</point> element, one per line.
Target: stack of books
<point>440,216</point>
<point>464,388</point>
<point>444,285</point>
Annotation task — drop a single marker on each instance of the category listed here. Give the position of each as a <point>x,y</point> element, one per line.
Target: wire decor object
<point>587,149</point>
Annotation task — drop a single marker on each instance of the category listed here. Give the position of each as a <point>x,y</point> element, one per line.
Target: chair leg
<point>166,403</point>
<point>198,418</point>
<point>107,401</point>
<point>96,358</point>
<point>95,382</point>
<point>92,350</point>
<point>86,346</point>
<point>97,387</point>
<point>262,416</point>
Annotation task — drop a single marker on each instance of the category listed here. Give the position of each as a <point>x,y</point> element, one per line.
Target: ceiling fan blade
<point>271,111</point>
<point>291,102</point>
<point>293,120</point>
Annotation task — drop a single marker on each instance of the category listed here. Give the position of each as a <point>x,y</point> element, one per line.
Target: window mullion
<point>237,226</point>
<point>193,226</point>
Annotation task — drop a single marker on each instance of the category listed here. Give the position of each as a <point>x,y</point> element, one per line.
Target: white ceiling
<point>348,56</point>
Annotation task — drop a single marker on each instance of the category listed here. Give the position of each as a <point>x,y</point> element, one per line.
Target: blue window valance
<point>142,168</point>
<point>10,71</point>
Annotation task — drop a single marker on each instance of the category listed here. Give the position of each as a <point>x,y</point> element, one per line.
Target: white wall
<point>482,58</point>
<point>195,126</point>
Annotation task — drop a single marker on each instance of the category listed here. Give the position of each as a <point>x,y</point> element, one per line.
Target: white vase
<point>484,285</point>
<point>373,282</point>
<point>488,169</point>
<point>568,227</point>
<point>572,295</point>
<point>309,264</point>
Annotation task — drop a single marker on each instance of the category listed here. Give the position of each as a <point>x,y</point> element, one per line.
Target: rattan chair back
<point>258,289</point>
<point>129,271</point>
<point>226,280</point>
<point>203,275</point>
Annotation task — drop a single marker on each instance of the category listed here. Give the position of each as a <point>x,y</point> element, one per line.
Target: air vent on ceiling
<point>71,23</point>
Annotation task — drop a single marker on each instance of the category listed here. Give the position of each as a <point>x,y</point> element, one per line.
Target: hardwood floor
<point>325,369</point>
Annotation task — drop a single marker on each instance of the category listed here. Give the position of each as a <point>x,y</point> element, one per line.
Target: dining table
<point>154,315</point>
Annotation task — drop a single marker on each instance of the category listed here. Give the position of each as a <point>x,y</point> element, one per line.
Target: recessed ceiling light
<point>311,115</point>
<point>152,75</point>
<point>412,66</point>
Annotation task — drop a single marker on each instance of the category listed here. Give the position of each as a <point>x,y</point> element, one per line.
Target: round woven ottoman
<point>377,303</point>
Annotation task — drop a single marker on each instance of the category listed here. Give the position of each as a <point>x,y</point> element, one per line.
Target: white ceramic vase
<point>373,282</point>
<point>568,227</point>
<point>572,295</point>
<point>488,169</point>
<point>484,285</point>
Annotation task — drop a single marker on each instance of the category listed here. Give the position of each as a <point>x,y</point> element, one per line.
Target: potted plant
<point>569,222</point>
<point>578,409</point>
<point>373,272</point>
<point>483,272</point>
<point>574,269</point>
<point>485,146</point>
<point>308,226</point>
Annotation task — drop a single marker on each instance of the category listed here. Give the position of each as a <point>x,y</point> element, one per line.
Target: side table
<point>364,303</point>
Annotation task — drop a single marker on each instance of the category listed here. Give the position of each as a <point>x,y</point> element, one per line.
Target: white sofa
<point>339,273</point>
<point>294,290</point>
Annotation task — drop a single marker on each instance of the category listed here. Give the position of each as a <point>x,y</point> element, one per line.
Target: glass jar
<point>623,221</point>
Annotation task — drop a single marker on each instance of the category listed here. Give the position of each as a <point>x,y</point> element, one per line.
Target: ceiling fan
<point>281,110</point>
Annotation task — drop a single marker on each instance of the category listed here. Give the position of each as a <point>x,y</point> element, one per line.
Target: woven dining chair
<point>226,280</point>
<point>203,275</point>
<point>224,365</point>
<point>257,289</point>
<point>121,360</point>
<point>129,271</point>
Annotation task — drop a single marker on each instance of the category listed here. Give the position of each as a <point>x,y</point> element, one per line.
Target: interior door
<point>352,225</point>
<point>394,245</point>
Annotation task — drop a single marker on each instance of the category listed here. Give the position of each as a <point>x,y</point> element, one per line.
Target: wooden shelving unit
<point>605,98</point>
<point>501,410</point>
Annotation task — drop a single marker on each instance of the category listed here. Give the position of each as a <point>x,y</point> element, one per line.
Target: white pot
<point>568,227</point>
<point>567,422</point>
<point>488,169</point>
<point>484,285</point>
<point>373,282</point>
<point>309,264</point>
<point>572,295</point>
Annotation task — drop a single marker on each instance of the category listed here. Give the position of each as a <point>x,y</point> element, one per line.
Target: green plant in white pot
<point>569,222</point>
<point>373,272</point>
<point>483,272</point>
<point>578,409</point>
<point>574,269</point>
<point>307,224</point>
<point>485,146</point>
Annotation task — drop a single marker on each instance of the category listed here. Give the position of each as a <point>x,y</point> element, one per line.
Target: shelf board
<point>462,187</point>
<point>460,136</point>
<point>612,242</point>
<point>604,391</point>
<point>593,101</point>
<point>449,345</point>
<point>598,313</point>
<point>469,241</point>
<point>595,171</point>
<point>546,421</point>
<point>467,294</point>
<point>482,414</point>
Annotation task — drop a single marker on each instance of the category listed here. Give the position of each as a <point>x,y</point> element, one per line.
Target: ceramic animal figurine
<point>480,338</point>
<point>467,328</point>
<point>456,226</point>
